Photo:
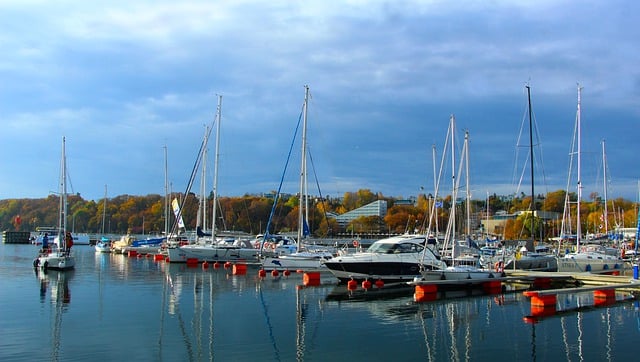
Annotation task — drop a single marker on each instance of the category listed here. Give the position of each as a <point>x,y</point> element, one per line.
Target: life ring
<point>356,243</point>
<point>499,266</point>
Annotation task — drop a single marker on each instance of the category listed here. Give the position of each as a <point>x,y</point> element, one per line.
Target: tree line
<point>250,213</point>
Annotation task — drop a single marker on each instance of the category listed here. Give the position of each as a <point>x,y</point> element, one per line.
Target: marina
<point>149,309</point>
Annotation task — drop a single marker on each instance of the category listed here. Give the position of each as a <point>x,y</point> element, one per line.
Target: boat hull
<point>591,265</point>
<point>55,261</point>
<point>458,274</point>
<point>211,253</point>
<point>388,271</point>
<point>306,261</point>
<point>537,263</point>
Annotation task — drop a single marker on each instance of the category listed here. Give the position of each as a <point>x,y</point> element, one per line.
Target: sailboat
<point>586,258</point>
<point>104,244</point>
<point>530,257</point>
<point>304,258</point>
<point>60,256</point>
<point>212,250</point>
<point>461,264</point>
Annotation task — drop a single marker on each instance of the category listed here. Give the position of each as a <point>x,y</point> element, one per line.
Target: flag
<point>439,204</point>
<point>176,211</point>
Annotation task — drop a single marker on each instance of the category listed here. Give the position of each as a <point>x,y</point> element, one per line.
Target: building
<point>376,208</point>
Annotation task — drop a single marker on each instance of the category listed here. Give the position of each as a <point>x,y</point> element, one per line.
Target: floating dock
<point>16,237</point>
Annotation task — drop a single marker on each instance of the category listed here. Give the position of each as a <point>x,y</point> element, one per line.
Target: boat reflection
<point>60,299</point>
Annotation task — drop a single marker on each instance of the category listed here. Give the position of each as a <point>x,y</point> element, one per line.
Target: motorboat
<point>394,259</point>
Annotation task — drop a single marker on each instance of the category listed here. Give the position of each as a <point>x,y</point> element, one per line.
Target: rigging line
<point>244,203</point>
<point>315,176</point>
<point>277,197</point>
<point>194,171</point>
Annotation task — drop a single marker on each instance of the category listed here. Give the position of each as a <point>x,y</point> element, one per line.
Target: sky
<point>122,80</point>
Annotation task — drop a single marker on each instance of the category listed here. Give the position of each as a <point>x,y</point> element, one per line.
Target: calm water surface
<point>115,308</point>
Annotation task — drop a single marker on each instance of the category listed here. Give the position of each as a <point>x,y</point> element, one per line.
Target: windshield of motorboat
<point>394,248</point>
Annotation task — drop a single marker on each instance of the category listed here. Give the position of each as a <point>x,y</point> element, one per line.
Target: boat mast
<point>453,183</point>
<point>533,195</point>
<point>303,212</point>
<point>435,189</point>
<point>104,208</point>
<point>62,222</point>
<point>202,207</point>
<point>215,168</point>
<point>604,175</point>
<point>578,227</point>
<point>166,195</point>
<point>466,176</point>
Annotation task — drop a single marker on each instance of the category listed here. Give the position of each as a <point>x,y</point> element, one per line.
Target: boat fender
<point>605,267</point>
<point>46,264</point>
<point>588,268</point>
<point>36,263</point>
<point>499,266</point>
<point>356,243</point>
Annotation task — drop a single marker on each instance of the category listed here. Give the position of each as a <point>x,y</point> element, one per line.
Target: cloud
<point>123,79</point>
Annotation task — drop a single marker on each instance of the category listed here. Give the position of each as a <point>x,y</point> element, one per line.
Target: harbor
<point>114,307</point>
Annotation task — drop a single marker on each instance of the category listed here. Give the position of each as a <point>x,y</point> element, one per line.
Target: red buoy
<point>366,284</point>
<point>240,269</point>
<point>352,285</point>
<point>227,265</point>
<point>205,265</point>
<point>286,273</point>
<point>379,283</point>
<point>274,273</point>
<point>262,273</point>
<point>311,279</point>
<point>216,265</point>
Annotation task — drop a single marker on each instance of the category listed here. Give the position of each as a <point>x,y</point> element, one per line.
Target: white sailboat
<point>462,265</point>
<point>237,250</point>
<point>586,258</point>
<point>104,244</point>
<point>305,258</point>
<point>59,257</point>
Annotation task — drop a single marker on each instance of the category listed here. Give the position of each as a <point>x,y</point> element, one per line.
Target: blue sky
<point>122,79</point>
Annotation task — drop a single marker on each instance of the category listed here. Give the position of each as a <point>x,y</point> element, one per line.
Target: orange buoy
<point>379,283</point>
<point>311,279</point>
<point>262,273</point>
<point>352,285</point>
<point>366,284</point>
<point>286,273</point>
<point>274,273</point>
<point>240,269</point>
<point>425,293</point>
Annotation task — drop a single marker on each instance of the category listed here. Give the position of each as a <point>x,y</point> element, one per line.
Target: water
<point>115,308</point>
